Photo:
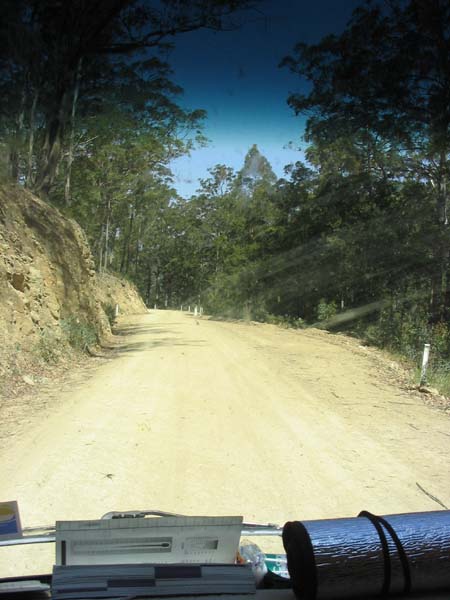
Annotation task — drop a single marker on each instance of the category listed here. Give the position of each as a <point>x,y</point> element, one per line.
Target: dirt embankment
<point>49,289</point>
<point>112,290</point>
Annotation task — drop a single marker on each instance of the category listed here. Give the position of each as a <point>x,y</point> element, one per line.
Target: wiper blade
<point>252,529</point>
<point>46,535</point>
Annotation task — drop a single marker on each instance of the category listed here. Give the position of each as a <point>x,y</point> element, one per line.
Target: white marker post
<point>425,357</point>
<point>195,311</point>
<point>116,312</point>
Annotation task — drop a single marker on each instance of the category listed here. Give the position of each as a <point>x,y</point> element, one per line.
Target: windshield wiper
<point>46,535</point>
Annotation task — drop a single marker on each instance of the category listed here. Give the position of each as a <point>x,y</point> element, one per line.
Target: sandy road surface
<point>207,417</point>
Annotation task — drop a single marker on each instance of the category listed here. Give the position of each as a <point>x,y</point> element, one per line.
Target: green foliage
<point>79,334</point>
<point>326,310</point>
<point>52,86</point>
<point>362,224</point>
<point>404,329</point>
<point>286,321</point>
<point>438,376</point>
<point>365,130</point>
<point>440,339</point>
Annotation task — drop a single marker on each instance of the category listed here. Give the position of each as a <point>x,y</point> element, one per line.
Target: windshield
<point>224,260</point>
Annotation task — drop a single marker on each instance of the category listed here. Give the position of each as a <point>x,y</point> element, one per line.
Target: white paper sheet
<point>148,540</point>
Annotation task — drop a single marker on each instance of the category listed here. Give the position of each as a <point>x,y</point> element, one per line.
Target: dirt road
<point>207,417</point>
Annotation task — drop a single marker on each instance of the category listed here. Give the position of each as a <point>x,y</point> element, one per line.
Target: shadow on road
<point>141,346</point>
<point>140,328</point>
<point>163,337</point>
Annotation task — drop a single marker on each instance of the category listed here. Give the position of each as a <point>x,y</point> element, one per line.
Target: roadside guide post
<point>425,357</point>
<point>116,312</point>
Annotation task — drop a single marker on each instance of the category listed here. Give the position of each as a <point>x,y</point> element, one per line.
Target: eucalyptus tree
<point>381,90</point>
<point>52,51</point>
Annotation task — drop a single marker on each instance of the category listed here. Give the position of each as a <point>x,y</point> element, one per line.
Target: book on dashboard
<point>148,580</point>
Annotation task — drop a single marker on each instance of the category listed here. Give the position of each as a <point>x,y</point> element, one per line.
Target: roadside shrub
<point>110,311</point>
<point>326,310</point>
<point>438,375</point>
<point>79,334</point>
<point>48,347</point>
<point>246,313</point>
<point>371,335</point>
<point>440,339</point>
<point>403,328</point>
<point>297,322</point>
<point>258,312</point>
<point>286,321</point>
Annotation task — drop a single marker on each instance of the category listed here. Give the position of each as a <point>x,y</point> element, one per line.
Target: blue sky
<point>234,76</point>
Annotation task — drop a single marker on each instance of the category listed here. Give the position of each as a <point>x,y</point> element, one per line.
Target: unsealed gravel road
<point>205,417</point>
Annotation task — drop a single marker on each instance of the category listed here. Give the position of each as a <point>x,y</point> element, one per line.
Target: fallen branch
<point>431,496</point>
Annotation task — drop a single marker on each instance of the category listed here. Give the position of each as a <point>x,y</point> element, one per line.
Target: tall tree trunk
<point>149,283</point>
<point>136,259</point>
<point>157,284</point>
<point>14,155</point>
<point>107,226</point>
<point>445,253</point>
<point>125,259</point>
<point>51,150</point>
<point>76,91</point>
<point>217,262</point>
<point>124,252</point>
<point>29,176</point>
<point>100,250</point>
<point>440,295</point>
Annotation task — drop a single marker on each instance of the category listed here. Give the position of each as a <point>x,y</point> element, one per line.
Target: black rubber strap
<point>385,548</point>
<point>401,553</point>
<point>379,523</point>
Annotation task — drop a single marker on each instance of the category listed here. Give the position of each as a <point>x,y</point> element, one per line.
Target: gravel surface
<point>205,417</point>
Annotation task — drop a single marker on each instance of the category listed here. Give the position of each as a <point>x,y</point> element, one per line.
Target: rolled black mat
<point>369,555</point>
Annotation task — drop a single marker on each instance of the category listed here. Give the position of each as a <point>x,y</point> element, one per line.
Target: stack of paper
<point>157,540</point>
<point>140,580</point>
<point>12,588</point>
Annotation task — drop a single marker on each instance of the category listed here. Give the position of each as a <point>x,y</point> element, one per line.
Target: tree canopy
<point>63,60</point>
<point>355,236</point>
